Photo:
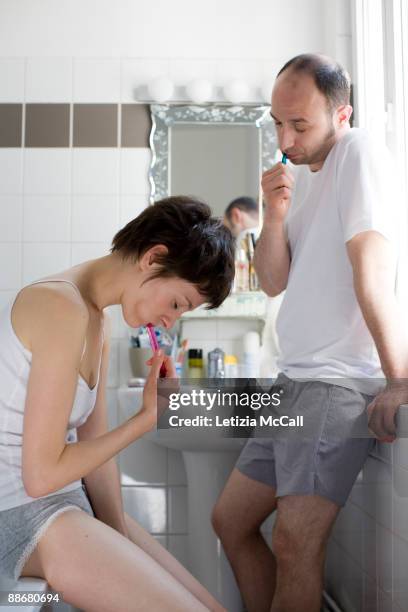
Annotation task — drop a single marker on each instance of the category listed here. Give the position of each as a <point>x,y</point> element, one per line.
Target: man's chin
<point>297,160</point>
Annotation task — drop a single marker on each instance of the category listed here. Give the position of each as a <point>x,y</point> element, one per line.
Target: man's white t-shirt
<point>321,329</point>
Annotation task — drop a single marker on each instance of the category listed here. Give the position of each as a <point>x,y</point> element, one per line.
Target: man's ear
<point>236,215</point>
<point>344,113</point>
<point>149,258</point>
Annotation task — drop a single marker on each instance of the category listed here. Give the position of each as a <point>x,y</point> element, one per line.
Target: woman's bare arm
<point>103,483</point>
<point>58,327</point>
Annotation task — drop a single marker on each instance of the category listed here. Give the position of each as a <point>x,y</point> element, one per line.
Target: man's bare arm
<point>272,255</point>
<point>373,263</point>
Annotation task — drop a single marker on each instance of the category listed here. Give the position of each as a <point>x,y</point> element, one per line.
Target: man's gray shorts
<point>323,458</point>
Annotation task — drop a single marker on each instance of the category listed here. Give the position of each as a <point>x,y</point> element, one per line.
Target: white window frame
<point>380,65</point>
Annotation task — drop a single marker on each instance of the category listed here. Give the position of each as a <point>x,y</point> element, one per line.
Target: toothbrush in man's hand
<point>155,345</point>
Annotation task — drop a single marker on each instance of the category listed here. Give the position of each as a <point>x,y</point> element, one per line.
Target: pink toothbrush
<point>154,344</point>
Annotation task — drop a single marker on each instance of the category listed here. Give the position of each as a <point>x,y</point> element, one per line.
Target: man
<point>328,239</point>
<point>241,215</point>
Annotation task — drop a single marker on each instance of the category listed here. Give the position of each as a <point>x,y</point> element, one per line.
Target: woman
<point>53,424</point>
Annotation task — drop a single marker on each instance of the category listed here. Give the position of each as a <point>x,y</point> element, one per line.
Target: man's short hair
<point>331,79</point>
<point>244,203</point>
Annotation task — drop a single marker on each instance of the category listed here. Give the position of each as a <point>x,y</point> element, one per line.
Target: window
<point>380,37</point>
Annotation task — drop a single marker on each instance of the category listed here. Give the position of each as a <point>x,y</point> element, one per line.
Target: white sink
<point>209,459</point>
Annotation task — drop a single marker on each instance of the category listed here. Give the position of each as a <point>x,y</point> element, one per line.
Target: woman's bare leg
<point>147,542</point>
<point>97,569</point>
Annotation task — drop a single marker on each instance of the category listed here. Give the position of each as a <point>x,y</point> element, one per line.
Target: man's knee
<point>222,520</point>
<point>301,534</point>
<point>226,527</point>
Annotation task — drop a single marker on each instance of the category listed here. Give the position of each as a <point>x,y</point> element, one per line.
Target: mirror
<point>214,152</point>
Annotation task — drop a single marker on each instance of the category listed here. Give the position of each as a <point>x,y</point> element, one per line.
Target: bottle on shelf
<point>241,282</point>
<point>195,363</point>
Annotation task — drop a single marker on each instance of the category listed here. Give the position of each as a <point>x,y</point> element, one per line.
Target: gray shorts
<point>326,457</point>
<point>22,527</point>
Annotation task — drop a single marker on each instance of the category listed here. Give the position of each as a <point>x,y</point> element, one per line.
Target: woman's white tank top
<point>15,364</point>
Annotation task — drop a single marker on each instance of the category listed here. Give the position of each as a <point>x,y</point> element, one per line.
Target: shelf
<point>245,305</point>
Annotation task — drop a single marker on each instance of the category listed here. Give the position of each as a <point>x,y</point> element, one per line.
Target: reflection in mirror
<point>216,163</point>
<point>214,152</point>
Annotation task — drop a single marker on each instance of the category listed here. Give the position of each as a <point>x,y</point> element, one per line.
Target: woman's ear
<point>150,257</point>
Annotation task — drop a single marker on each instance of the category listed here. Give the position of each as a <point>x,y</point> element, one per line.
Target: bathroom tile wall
<point>74,152</point>
<point>369,545</point>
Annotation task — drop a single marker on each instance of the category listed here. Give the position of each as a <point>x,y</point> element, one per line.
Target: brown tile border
<point>11,120</point>
<point>136,125</point>
<point>93,125</point>
<point>47,125</point>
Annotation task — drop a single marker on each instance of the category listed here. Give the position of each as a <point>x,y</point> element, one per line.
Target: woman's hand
<point>168,364</point>
<point>149,413</point>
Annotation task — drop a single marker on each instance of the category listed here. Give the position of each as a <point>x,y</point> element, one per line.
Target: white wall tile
<point>162,540</point>
<point>143,463</point>
<point>385,603</point>
<point>332,565</point>
<point>47,171</point>
<point>11,171</point>
<point>134,171</point>
<point>49,79</point>
<point>95,171</point>
<point>137,73</point>
<point>400,583</point>
<point>118,326</point>
<point>84,251</point>
<point>178,510</point>
<point>377,491</point>
<point>125,371</point>
<point>147,505</point>
<point>182,71</point>
<point>383,451</point>
<point>96,79</point>
<point>10,266</point>
<point>178,546</point>
<point>267,525</point>
<point>113,371</point>
<point>369,564</point>
<point>44,259</point>
<point>11,213</point>
<point>175,468</point>
<point>130,207</point>
<point>6,297</point>
<point>233,329</point>
<point>94,218</point>
<point>348,592</point>
<point>400,452</point>
<point>111,399</point>
<point>400,502</point>
<point>11,79</point>
<point>369,594</point>
<point>47,218</point>
<point>348,531</point>
<point>384,539</point>
<point>199,329</point>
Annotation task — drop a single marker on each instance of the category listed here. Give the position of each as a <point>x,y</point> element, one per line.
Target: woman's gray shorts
<point>22,527</point>
<point>325,456</point>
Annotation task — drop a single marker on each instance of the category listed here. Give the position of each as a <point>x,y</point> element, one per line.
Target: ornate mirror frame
<point>165,116</point>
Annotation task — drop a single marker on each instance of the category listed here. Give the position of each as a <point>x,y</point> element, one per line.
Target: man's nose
<point>286,138</point>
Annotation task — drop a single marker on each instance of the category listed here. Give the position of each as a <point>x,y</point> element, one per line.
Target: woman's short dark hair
<point>330,78</point>
<point>200,249</point>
